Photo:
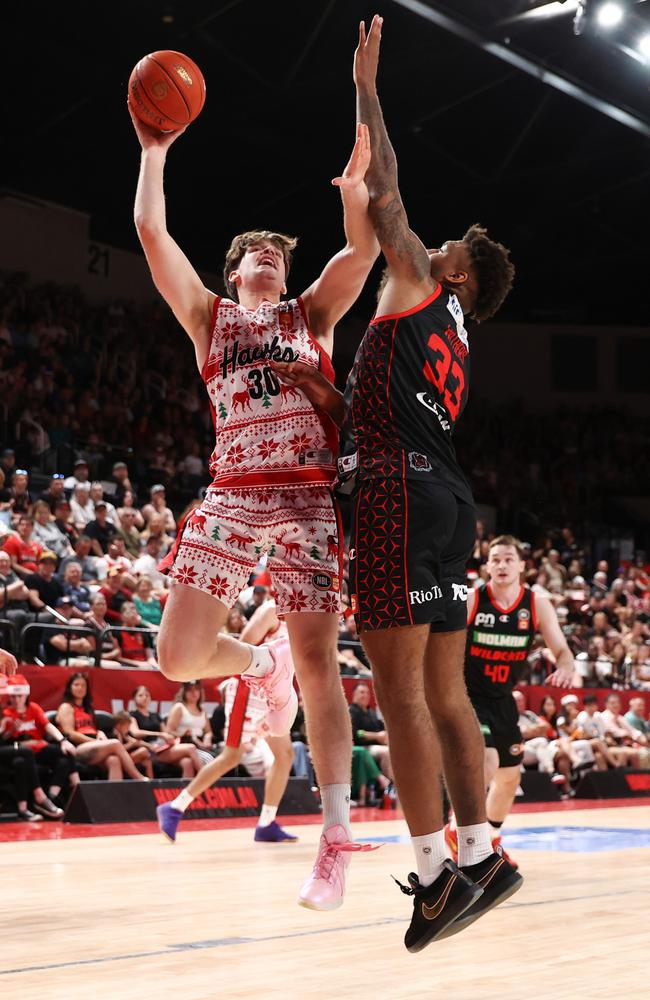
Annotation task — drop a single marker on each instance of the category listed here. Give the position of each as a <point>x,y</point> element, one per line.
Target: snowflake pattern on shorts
<point>225,537</point>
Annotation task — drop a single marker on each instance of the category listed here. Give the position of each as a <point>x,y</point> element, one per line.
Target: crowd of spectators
<point>567,739</point>
<point>106,435</point>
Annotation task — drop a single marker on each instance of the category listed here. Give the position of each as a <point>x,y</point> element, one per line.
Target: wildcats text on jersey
<point>497,643</point>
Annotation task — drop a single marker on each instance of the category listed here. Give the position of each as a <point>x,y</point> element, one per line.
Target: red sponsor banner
<point>113,689</point>
<point>638,782</point>
<point>233,797</point>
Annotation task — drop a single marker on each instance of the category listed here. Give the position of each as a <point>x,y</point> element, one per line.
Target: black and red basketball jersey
<point>498,640</point>
<point>406,391</point>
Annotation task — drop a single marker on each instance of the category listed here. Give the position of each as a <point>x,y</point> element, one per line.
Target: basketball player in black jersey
<point>503,618</point>
<point>413,528</point>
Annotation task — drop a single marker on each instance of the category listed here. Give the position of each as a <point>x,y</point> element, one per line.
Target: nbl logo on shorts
<point>325,581</point>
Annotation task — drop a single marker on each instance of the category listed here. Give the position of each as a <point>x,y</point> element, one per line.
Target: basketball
<point>166,90</point>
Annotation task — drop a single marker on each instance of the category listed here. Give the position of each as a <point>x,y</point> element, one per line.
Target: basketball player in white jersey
<point>246,742</point>
<point>273,468</point>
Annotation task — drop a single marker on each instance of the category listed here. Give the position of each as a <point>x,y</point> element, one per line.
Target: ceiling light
<point>609,15</point>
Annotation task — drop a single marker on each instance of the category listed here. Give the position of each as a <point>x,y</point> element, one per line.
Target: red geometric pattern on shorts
<point>379,447</point>
<point>382,587</point>
<point>263,427</point>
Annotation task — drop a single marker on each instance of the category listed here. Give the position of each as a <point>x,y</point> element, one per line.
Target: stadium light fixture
<point>644,46</point>
<point>609,15</point>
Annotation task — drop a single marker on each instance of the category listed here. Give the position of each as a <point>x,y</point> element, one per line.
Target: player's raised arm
<point>173,275</point>
<point>408,261</point>
<point>342,279</point>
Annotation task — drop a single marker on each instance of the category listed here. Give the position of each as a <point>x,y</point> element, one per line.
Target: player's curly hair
<point>241,243</point>
<point>494,271</point>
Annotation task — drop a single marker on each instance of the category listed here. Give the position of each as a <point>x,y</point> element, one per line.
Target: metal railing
<point>71,632</point>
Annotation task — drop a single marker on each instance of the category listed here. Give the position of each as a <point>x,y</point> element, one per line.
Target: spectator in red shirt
<point>115,595</point>
<point>137,647</point>
<point>77,720</point>
<point>25,722</point>
<point>22,548</point>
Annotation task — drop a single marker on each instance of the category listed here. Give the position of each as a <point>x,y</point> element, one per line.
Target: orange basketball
<point>166,90</point>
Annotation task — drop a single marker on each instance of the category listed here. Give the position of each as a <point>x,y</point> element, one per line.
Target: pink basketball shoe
<point>276,686</point>
<point>325,887</point>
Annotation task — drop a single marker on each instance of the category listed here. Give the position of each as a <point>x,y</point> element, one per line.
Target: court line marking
<point>173,949</point>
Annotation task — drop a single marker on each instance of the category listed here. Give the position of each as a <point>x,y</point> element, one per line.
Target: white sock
<point>336,806</point>
<point>182,800</point>
<point>474,844</point>
<point>267,815</point>
<point>429,855</point>
<point>261,661</point>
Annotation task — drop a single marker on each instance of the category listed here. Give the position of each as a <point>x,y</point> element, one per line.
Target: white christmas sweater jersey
<point>268,433</point>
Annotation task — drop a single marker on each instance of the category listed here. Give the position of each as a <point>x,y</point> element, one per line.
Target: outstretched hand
<point>150,137</point>
<point>366,56</point>
<point>358,163</point>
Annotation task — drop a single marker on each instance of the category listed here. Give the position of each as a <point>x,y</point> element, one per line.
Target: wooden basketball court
<point>215,916</point>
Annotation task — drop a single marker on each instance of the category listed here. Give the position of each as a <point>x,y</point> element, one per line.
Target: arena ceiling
<point>499,113</point>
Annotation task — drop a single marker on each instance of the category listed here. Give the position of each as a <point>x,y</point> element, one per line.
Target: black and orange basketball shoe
<point>498,878</point>
<point>437,906</point>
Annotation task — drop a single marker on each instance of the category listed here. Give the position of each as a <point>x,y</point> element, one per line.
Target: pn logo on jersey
<point>326,581</point>
<point>419,462</point>
<point>523,619</point>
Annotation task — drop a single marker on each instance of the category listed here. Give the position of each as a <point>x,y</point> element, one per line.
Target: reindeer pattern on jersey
<point>268,433</point>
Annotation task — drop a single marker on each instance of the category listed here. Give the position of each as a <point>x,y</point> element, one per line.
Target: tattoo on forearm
<point>386,209</point>
<point>382,172</point>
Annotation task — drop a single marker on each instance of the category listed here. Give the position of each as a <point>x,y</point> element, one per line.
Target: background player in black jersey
<point>503,618</point>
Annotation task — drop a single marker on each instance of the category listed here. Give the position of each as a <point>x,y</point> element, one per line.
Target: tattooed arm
<point>409,274</point>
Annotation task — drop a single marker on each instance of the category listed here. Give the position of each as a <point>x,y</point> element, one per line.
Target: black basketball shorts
<point>501,716</point>
<point>409,546</point>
